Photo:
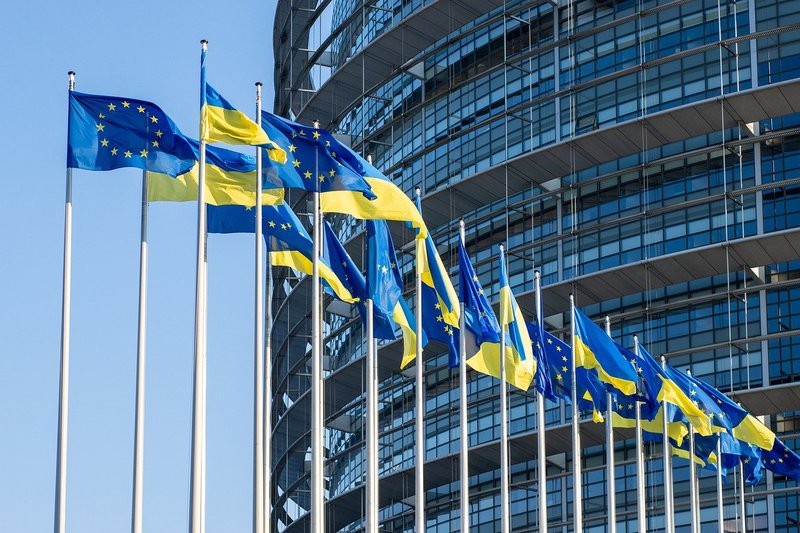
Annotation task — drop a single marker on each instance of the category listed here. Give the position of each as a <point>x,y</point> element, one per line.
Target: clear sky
<point>149,51</point>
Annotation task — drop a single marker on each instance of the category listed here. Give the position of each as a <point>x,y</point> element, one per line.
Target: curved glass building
<point>642,155</point>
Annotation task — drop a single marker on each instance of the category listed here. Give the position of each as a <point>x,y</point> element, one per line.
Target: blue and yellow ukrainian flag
<point>390,202</point>
<point>385,287</point>
<point>594,350</point>
<point>230,180</point>
<point>440,305</point>
<point>109,132</point>
<point>288,242</point>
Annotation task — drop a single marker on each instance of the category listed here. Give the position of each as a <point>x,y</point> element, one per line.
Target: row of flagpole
<point>262,395</point>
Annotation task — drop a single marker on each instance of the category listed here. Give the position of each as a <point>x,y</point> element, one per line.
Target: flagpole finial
<point>71,75</point>
<point>418,191</point>
<point>663,359</point>
<point>369,158</point>
<point>461,223</point>
<point>537,274</point>
<point>259,84</point>
<point>204,45</point>
<point>636,337</point>
<point>315,123</point>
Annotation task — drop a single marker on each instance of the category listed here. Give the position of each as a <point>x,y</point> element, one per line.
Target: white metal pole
<point>197,497</point>
<point>542,450</point>
<point>268,399</point>
<point>419,422</point>
<point>742,508</point>
<point>669,494</point>
<point>372,424</point>
<point>60,519</point>
<point>317,384</point>
<point>505,515</point>
<point>138,439</point>
<point>576,434</point>
<point>611,474</point>
<point>641,482</point>
<point>694,497</point>
<point>258,360</point>
<point>463,414</point>
<point>720,507</point>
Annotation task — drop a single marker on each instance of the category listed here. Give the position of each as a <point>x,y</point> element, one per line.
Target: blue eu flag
<point>108,132</point>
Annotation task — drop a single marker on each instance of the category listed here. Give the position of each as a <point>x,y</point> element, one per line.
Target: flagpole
<point>419,423</point>
<point>669,501</point>
<point>611,474</point>
<point>693,495</point>
<point>720,507</point>
<point>372,424</point>
<point>462,399</point>
<point>60,518</point>
<point>267,439</point>
<point>505,515</point>
<point>742,508</point>
<point>317,384</point>
<point>138,439</point>
<point>641,482</point>
<point>542,450</point>
<point>693,482</point>
<point>576,435</point>
<point>197,490</point>
<point>258,369</point>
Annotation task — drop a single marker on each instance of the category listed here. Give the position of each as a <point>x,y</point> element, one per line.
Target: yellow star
<point>322,177</point>
<point>154,119</point>
<point>630,406</point>
<point>141,109</point>
<point>128,153</point>
<point>104,142</point>
<point>480,291</point>
<point>155,144</point>
<point>294,135</point>
<point>125,103</point>
<point>549,341</point>
<point>439,318</point>
<point>112,107</point>
<point>693,392</point>
<point>333,154</point>
<point>100,127</point>
<point>296,163</point>
<point>292,148</point>
<point>271,224</point>
<point>316,135</point>
<point>558,348</point>
<point>288,225</point>
<point>143,152</point>
<point>332,172</point>
<point>283,226</point>
<point>248,208</point>
<point>438,306</point>
<point>307,174</point>
<point>559,378</point>
<point>159,133</point>
<point>445,329</point>
<point>392,264</point>
<point>327,143</point>
<point>114,151</point>
<point>563,369</point>
<point>101,115</point>
<point>564,358</point>
<point>302,132</point>
<point>475,277</point>
<point>384,270</point>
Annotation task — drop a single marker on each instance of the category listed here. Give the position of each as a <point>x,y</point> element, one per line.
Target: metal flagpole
<point>197,490</point>
<point>542,450</point>
<point>138,439</point>
<point>640,469</point>
<point>693,483</point>
<point>258,369</point>
<point>462,399</point>
<point>611,475</point>
<point>720,507</point>
<point>372,424</point>
<point>505,515</point>
<point>317,384</point>
<point>742,509</point>
<point>60,519</point>
<point>419,423</point>
<point>576,434</point>
<point>693,492</point>
<point>267,440</point>
<point>669,495</point>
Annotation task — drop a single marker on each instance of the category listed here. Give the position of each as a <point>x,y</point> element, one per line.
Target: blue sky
<point>148,51</point>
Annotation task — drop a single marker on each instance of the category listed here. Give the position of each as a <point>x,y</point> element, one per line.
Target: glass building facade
<point>642,155</point>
